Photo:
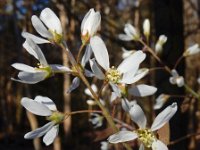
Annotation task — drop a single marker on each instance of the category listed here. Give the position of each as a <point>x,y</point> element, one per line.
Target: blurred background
<point>179,20</point>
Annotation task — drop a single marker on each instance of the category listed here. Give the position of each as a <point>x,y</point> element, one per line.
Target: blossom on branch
<point>32,75</point>
<point>53,32</point>
<point>43,106</point>
<point>146,136</point>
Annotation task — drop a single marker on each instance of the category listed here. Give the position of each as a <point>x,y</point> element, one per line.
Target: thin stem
<point>183,138</point>
<point>192,91</point>
<point>79,53</point>
<point>178,61</point>
<point>168,69</point>
<point>95,96</point>
<point>155,56</point>
<point>82,111</point>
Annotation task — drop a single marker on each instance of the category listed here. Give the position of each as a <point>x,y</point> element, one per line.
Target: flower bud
<point>146,28</point>
<point>159,45</point>
<point>194,49</point>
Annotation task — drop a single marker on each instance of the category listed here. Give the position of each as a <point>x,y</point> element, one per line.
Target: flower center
<point>113,75</point>
<point>47,69</point>
<point>146,136</point>
<point>56,117</point>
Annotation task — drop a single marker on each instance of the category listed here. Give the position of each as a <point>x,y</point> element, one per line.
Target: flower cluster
<point>122,80</point>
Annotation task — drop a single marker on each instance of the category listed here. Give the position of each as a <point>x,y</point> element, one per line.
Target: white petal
<point>132,62</point>
<point>96,23</point>
<point>131,31</point>
<point>142,90</point>
<point>35,107</point>
<point>32,77</point>
<point>137,77</point>
<point>51,135</point>
<point>94,88</point>
<point>138,116</point>
<point>125,37</point>
<point>158,145</point>
<point>88,73</point>
<point>96,70</point>
<point>116,89</point>
<point>40,28</point>
<point>51,20</point>
<point>46,101</point>
<point>129,77</point>
<point>59,68</point>
<point>160,101</point>
<point>100,52</point>
<point>83,23</point>
<point>180,81</point>
<point>74,85</point>
<point>35,50</point>
<point>122,136</point>
<point>23,67</point>
<point>86,56</point>
<point>36,39</point>
<point>113,97</point>
<point>141,147</point>
<point>39,131</point>
<point>163,117</point>
<point>126,105</point>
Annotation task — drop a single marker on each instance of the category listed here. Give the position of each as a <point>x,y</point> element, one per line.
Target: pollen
<point>146,136</point>
<point>113,75</point>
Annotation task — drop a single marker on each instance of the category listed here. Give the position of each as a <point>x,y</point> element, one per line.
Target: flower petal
<point>88,73</point>
<point>74,85</point>
<point>122,136</point>
<point>142,90</point>
<point>163,117</point>
<point>51,135</point>
<point>40,28</point>
<point>125,37</point>
<point>141,147</point>
<point>32,77</point>
<point>158,145</point>
<point>126,105</point>
<point>23,67</point>
<point>100,52</point>
<point>46,101</point>
<point>86,56</point>
<point>51,20</point>
<point>132,62</point>
<point>56,68</point>
<point>138,116</point>
<point>35,107</point>
<point>39,131</point>
<point>94,88</point>
<point>116,89</point>
<point>36,39</point>
<point>35,50</point>
<point>96,70</point>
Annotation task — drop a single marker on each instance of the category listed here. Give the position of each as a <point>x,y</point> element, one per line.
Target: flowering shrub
<point>122,80</point>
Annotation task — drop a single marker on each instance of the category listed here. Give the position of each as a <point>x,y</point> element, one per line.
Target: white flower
<point>192,50</point>
<point>126,105</point>
<point>33,75</point>
<point>143,134</point>
<point>126,53</point>
<point>176,79</point>
<point>131,33</point>
<point>159,44</point>
<point>43,106</point>
<point>124,73</point>
<point>96,120</point>
<point>146,28</point>
<point>90,24</point>
<point>104,145</point>
<point>160,101</point>
<point>48,26</point>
